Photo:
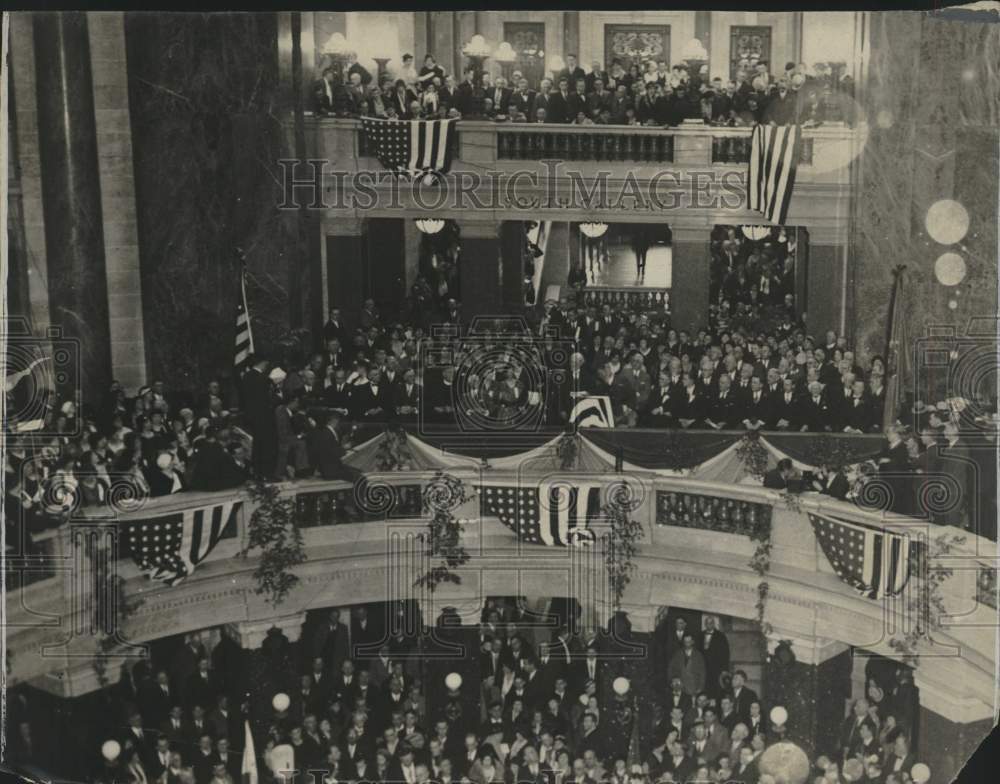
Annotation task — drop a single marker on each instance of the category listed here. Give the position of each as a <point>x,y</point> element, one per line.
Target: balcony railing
<point>736,149</point>
<point>627,298</point>
<point>536,142</point>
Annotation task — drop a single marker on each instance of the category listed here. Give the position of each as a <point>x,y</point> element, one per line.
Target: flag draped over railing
<point>244,333</point>
<point>877,563</point>
<point>593,411</point>
<point>774,158</point>
<point>552,513</point>
<point>169,548</point>
<point>413,147</point>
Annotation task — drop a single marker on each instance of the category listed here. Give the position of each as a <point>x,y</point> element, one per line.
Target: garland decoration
<point>760,562</point>
<point>926,603</point>
<point>624,536</point>
<point>274,530</point>
<point>568,450</point>
<point>443,539</point>
<point>752,454</point>
<point>393,452</point>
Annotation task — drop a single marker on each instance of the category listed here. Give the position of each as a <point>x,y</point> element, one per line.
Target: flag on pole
<point>873,561</point>
<point>593,411</point>
<point>249,767</point>
<point>552,513</point>
<point>169,548</point>
<point>244,334</point>
<point>897,352</point>
<point>774,158</point>
<point>414,147</point>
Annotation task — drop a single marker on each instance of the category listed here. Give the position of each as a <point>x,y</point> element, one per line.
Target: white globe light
<point>453,681</point>
<point>110,750</point>
<point>478,40</point>
<point>281,702</point>
<point>621,686</point>
<point>593,230</point>
<point>779,715</point>
<point>949,269</point>
<point>755,232</point>
<point>947,221</point>
<point>430,225</point>
<point>336,44</point>
<point>920,773</point>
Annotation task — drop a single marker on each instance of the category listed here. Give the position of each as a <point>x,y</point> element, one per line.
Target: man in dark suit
<point>572,72</point>
<point>500,94</point>
<point>533,771</point>
<point>559,104</point>
<point>778,477</point>
<point>715,651</point>
<point>756,406</point>
<point>814,410</point>
<point>214,467</point>
<point>724,411</point>
<point>466,92</point>
<point>155,699</point>
<point>831,482</point>
<point>255,400</point>
<point>201,688</point>
<point>330,643</point>
<point>691,405</point>
<point>406,397</point>
<point>522,99</point>
<point>651,109</point>
<point>850,732</point>
<point>859,416</point>
<point>159,760</point>
<point>327,450</point>
<point>743,696</point>
<point>373,401</point>
<point>225,756</point>
<point>784,408</point>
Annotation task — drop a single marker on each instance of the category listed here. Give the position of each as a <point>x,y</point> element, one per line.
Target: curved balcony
<point>532,168</point>
<point>366,548</point>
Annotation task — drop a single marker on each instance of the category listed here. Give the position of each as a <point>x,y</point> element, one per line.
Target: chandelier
<point>755,232</point>
<point>477,47</point>
<point>593,230</point>
<point>430,225</point>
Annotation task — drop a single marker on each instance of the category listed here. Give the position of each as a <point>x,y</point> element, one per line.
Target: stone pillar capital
<point>251,634</point>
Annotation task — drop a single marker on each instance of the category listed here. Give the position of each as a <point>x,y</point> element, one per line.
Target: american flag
<point>774,157</point>
<point>593,411</point>
<point>413,147</point>
<point>875,562</point>
<point>169,548</point>
<point>244,335</point>
<point>552,513</point>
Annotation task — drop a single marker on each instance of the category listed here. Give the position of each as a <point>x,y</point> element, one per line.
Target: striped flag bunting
<point>774,158</point>
<point>248,766</point>
<point>553,513</point>
<point>593,411</point>
<point>169,548</point>
<point>876,563</point>
<point>244,334</point>
<point>413,147</point>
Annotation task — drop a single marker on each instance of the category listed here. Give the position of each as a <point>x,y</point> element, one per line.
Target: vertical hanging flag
<point>774,158</point>
<point>874,562</point>
<point>244,334</point>
<point>413,147</point>
<point>248,769</point>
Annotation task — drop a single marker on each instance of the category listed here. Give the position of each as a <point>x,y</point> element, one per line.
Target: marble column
<point>512,239</point>
<point>689,287</point>
<point>950,731</point>
<point>479,268</point>
<point>343,267</point>
<point>813,685</point>
<point>121,239</point>
<point>827,283</point>
<point>571,33</point>
<point>385,246</point>
<point>71,197</point>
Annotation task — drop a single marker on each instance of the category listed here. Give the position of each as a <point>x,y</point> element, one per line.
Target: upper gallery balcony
<point>540,167</point>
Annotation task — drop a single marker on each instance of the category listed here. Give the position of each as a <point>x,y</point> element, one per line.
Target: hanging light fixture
<point>430,225</point>
<point>593,230</point>
<point>755,232</point>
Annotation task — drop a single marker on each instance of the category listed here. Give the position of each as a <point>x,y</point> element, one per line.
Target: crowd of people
<point>652,93</point>
<point>534,706</point>
<point>295,416</point>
